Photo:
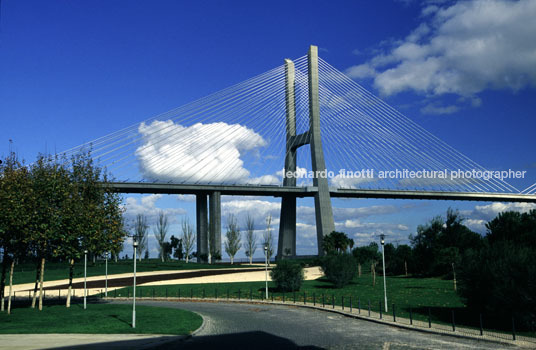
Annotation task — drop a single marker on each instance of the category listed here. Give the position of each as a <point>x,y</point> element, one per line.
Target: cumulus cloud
<point>146,205</point>
<point>477,218</point>
<point>462,49</point>
<point>198,153</point>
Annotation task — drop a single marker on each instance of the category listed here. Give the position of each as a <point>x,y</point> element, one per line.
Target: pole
<point>266,268</point>
<point>85,277</point>
<point>134,291</point>
<point>383,267</point>
<point>106,282</point>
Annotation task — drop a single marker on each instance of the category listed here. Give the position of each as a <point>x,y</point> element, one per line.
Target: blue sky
<point>71,72</point>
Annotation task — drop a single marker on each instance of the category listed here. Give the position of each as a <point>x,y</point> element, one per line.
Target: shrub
<point>287,276</point>
<point>339,268</point>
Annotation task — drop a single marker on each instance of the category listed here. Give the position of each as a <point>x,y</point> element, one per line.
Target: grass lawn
<point>25,273</point>
<point>99,318</point>
<point>420,295</point>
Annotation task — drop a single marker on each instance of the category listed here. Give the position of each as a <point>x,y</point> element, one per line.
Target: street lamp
<point>135,244</point>
<point>106,281</point>
<point>382,240</point>
<point>266,267</point>
<point>85,276</point>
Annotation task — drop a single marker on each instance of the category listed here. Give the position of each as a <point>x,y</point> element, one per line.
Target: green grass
<point>99,319</point>
<point>25,273</point>
<point>415,295</point>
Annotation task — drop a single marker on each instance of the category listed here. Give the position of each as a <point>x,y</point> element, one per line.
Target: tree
<point>268,238</point>
<point>140,231</point>
<point>160,233</point>
<point>50,184</point>
<point>500,277</point>
<point>176,245</point>
<point>92,215</point>
<point>16,202</point>
<point>339,269</point>
<point>287,275</point>
<point>366,255</point>
<point>440,243</point>
<point>337,242</point>
<point>188,238</point>
<point>251,238</point>
<point>232,242</point>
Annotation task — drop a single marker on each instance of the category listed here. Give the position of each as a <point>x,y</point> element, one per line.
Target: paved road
<point>248,326</point>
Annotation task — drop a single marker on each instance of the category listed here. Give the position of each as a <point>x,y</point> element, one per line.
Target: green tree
<point>160,233</point>
<point>50,179</point>
<point>268,238</point>
<point>140,231</point>
<point>187,239</point>
<point>339,269</point>
<point>251,238</point>
<point>287,275</point>
<point>337,242</point>
<point>16,208</point>
<point>232,242</point>
<point>440,243</point>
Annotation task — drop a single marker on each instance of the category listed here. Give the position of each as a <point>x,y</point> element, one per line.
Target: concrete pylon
<point>202,227</point>
<point>286,245</point>
<point>215,224</point>
<point>323,210</point>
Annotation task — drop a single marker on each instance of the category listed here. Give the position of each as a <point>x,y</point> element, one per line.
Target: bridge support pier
<point>202,227</point>
<point>215,226</point>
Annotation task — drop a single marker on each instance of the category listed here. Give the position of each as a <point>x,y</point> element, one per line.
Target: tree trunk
<point>406,267</point>
<point>232,259</point>
<point>3,281</point>
<point>37,275</point>
<point>94,256</point>
<point>41,284</point>
<point>187,259</point>
<point>359,269</point>
<point>373,268</point>
<point>115,257</point>
<point>10,286</point>
<point>251,260</point>
<point>71,272</point>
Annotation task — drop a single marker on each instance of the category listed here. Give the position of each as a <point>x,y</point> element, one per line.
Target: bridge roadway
<point>309,191</point>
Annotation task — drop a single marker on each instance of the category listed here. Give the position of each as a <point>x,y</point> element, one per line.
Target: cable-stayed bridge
<point>302,129</point>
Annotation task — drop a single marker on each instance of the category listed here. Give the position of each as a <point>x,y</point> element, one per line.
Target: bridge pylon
<point>323,210</point>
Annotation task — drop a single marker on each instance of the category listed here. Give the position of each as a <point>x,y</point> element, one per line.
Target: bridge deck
<point>279,191</point>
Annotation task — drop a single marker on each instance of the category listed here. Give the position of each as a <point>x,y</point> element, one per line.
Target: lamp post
<point>106,281</point>
<point>382,240</point>
<point>85,276</point>
<point>266,268</point>
<point>135,244</point>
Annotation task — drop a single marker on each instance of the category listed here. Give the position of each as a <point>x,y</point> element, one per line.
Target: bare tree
<point>188,238</point>
<point>251,238</point>
<point>140,230</point>
<point>160,232</point>
<point>232,244</point>
<point>268,239</point>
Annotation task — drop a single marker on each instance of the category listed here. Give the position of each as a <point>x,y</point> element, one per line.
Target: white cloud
<point>258,209</point>
<point>146,205</point>
<point>477,218</point>
<point>433,108</point>
<point>197,153</point>
<point>463,49</point>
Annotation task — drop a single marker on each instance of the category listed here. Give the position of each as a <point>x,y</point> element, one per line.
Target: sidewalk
<point>311,273</point>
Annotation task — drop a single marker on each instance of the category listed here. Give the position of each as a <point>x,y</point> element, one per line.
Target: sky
<point>74,71</point>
